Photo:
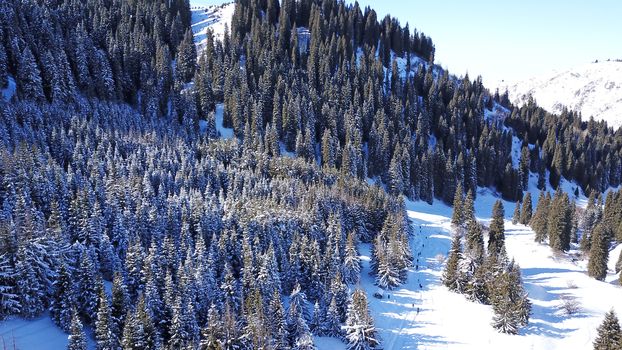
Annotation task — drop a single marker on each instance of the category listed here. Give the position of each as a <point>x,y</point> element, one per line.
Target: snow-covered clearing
<point>214,17</point>
<point>423,314</point>
<point>37,334</point>
<point>9,91</point>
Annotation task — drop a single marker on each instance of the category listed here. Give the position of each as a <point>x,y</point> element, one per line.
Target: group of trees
<point>555,220</point>
<point>485,275</point>
<point>199,238</point>
<point>600,226</point>
<point>594,228</point>
<point>106,177</point>
<point>586,152</point>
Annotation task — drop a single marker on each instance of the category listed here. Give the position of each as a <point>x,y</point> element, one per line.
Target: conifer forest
<point>245,193</point>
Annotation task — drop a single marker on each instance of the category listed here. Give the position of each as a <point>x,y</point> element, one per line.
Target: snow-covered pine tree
<point>186,58</point>
<point>256,331</point>
<point>63,299</point>
<point>360,330</point>
<point>88,295</point>
<point>332,323</point>
<point>104,338</point>
<point>77,338</point>
<point>510,304</point>
<point>9,299</point>
<point>297,327</point>
<point>457,216</point>
<point>609,335</point>
<point>32,293</point>
<point>450,273</point>
<point>387,277</point>
<point>351,262</point>
<point>29,76</point>
<point>559,225</point>
<point>212,333</point>
<point>316,320</point>
<point>276,321</point>
<point>618,266</point>
<point>119,306</point>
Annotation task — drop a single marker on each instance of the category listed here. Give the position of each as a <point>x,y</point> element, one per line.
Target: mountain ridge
<point>593,89</point>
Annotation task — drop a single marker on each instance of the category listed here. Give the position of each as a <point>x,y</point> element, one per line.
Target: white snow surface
<point>594,89</point>
<point>423,314</point>
<point>213,17</point>
<point>36,334</point>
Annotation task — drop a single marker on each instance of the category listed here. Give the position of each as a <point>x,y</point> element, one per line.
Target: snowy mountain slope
<point>214,17</point>
<point>594,89</point>
<point>423,314</point>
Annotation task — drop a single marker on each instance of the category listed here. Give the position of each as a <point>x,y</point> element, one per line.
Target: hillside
<point>594,90</point>
<point>282,175</point>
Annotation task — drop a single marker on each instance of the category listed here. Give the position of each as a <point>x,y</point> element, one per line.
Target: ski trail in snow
<point>404,335</point>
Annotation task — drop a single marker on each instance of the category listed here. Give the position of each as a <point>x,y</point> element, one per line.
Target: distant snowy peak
<point>593,89</point>
<point>215,17</point>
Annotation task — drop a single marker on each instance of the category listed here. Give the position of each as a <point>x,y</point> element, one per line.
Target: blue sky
<point>513,39</point>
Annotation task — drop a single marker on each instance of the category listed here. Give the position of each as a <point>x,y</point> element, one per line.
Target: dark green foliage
<point>559,225</point>
<point>496,233</point>
<point>474,246</point>
<point>516,214</point>
<point>599,252</point>
<point>539,221</point>
<point>457,216</point>
<point>186,58</point>
<point>450,273</point>
<point>618,267</point>
<point>526,210</point>
<point>509,301</point>
<point>609,336</point>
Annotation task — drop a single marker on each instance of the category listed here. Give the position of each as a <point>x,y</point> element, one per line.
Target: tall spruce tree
<point>457,216</point>
<point>450,273</point>
<point>360,330</point>
<point>609,335</point>
<point>77,338</point>
<point>559,225</point>
<point>539,221</point>
<point>599,252</point>
<point>516,214</point>
<point>496,233</point>
<point>526,210</point>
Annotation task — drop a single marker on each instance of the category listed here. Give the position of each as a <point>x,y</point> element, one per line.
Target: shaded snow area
<point>594,89</point>
<point>423,314</point>
<point>37,334</point>
<point>9,91</point>
<point>226,133</point>
<point>210,17</point>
